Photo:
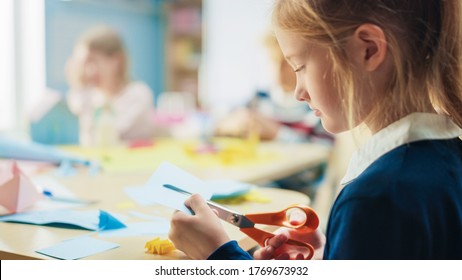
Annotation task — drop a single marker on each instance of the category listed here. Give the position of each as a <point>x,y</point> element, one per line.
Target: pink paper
<point>17,192</point>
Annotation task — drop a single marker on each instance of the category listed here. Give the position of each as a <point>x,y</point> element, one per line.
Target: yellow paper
<point>251,196</point>
<point>159,246</point>
<point>229,153</point>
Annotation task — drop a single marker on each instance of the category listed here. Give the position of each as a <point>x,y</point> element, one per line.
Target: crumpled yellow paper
<point>159,246</point>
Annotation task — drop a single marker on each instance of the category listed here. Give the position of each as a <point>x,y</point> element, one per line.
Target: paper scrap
<point>77,248</point>
<point>159,246</point>
<point>91,220</point>
<point>108,222</point>
<point>252,196</point>
<point>160,227</point>
<point>223,188</point>
<point>154,192</point>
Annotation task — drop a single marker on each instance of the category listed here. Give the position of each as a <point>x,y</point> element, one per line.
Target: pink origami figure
<point>17,192</point>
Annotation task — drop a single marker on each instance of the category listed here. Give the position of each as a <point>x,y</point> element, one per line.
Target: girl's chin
<point>333,127</point>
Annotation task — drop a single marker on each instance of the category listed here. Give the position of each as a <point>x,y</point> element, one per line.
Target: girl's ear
<point>369,46</point>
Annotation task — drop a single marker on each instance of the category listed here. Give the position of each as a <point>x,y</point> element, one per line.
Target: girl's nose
<point>301,94</point>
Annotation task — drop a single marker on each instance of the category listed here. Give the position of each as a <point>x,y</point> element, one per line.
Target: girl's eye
<point>299,68</point>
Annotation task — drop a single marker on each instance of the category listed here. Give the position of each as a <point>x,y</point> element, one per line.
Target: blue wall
<point>141,24</point>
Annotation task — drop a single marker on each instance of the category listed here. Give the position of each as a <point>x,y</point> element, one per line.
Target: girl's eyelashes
<point>299,68</point>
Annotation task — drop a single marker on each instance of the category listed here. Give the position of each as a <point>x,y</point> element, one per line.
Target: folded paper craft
<point>17,192</point>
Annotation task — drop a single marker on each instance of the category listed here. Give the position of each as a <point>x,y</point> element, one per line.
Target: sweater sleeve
<point>230,251</point>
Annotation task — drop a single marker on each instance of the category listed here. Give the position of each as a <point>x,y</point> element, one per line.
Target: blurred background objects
<point>208,67</point>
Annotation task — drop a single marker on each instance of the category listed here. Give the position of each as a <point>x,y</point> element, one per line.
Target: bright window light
<point>7,69</point>
<point>31,74</point>
<point>22,57</point>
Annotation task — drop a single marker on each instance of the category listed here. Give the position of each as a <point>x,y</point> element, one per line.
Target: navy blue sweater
<point>405,205</point>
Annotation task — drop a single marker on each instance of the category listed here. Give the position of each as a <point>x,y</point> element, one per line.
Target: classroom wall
<point>236,62</point>
<point>140,23</point>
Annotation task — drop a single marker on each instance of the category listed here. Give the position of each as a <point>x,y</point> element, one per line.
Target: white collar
<point>414,127</point>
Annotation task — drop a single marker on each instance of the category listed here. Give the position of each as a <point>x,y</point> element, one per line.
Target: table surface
<point>20,241</point>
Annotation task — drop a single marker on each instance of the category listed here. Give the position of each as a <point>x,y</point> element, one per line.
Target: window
<point>7,69</point>
<point>22,57</point>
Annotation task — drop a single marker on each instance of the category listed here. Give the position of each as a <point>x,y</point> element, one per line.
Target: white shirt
<point>414,127</point>
<point>132,111</point>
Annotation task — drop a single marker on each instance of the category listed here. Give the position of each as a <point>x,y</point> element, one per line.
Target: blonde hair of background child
<point>105,40</point>
<point>424,40</point>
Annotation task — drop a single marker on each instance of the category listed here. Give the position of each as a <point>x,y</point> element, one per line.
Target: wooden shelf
<point>183,45</point>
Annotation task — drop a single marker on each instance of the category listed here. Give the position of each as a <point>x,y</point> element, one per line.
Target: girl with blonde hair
<point>100,84</point>
<point>394,66</point>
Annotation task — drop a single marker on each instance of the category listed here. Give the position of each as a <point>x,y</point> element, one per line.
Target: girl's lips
<point>316,112</point>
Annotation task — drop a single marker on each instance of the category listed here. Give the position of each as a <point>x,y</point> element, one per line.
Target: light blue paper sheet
<point>91,220</point>
<point>21,150</point>
<point>153,192</point>
<point>77,248</point>
<point>47,182</point>
<point>153,228</point>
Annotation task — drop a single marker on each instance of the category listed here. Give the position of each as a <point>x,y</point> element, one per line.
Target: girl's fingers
<point>265,253</point>
<point>283,256</point>
<point>197,203</point>
<point>278,240</point>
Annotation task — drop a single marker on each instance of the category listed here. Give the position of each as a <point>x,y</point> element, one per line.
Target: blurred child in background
<point>110,106</point>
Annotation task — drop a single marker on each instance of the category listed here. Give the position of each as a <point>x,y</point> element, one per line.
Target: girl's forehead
<point>291,44</point>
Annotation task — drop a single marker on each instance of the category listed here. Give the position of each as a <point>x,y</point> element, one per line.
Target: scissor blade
<point>224,213</point>
<point>231,216</point>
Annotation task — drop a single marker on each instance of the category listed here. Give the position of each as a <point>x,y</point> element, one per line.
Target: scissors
<point>246,222</point>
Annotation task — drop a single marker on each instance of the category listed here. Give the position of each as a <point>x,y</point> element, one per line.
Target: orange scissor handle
<point>262,236</point>
<point>308,223</point>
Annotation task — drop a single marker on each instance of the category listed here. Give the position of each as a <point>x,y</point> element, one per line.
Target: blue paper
<point>14,149</point>
<point>154,192</point>
<point>108,222</point>
<point>228,188</point>
<point>91,220</point>
<point>77,248</point>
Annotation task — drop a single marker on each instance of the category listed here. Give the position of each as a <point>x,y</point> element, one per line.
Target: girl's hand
<point>198,236</point>
<point>278,249</point>
<point>80,73</point>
